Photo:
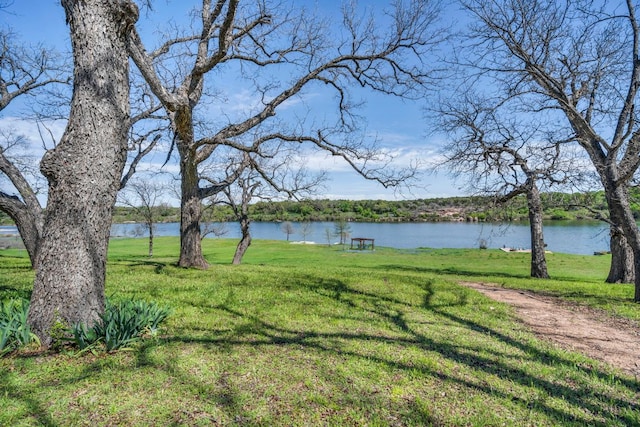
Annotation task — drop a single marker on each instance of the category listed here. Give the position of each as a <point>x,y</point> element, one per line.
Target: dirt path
<point>573,327</point>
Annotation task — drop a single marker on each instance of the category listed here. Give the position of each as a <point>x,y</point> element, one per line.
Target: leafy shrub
<point>14,329</point>
<point>121,324</point>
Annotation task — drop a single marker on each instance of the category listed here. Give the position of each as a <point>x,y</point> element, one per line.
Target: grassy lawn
<point>303,335</point>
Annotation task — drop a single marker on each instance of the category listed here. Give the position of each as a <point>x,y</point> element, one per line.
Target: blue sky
<point>398,124</point>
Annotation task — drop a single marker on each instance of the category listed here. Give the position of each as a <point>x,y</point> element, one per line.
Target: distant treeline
<point>557,206</point>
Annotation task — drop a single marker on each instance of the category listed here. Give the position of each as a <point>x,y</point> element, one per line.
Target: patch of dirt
<point>573,327</point>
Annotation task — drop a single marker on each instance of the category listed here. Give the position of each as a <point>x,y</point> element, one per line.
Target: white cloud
<point>46,132</point>
<point>402,157</point>
<point>240,104</point>
<point>350,185</point>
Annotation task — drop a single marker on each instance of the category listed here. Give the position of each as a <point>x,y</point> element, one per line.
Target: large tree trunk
<point>622,268</point>
<point>84,170</point>
<point>190,215</point>
<point>538,259</point>
<point>619,209</point>
<point>244,242</point>
<point>190,200</point>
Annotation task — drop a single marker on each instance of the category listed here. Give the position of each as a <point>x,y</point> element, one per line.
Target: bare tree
<point>342,229</point>
<point>24,70</point>
<point>144,196</point>
<point>264,178</point>
<point>305,230</point>
<point>254,40</point>
<point>502,155</point>
<point>288,229</point>
<point>579,59</point>
<point>84,170</point>
<point>328,234</point>
<point>247,186</point>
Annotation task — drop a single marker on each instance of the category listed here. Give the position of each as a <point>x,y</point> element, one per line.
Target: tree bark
<point>190,215</point>
<point>84,170</point>
<point>190,200</point>
<point>619,208</point>
<point>621,269</point>
<point>538,258</point>
<point>245,240</point>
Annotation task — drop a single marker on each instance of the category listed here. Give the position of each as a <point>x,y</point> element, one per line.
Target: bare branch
<point>142,151</point>
<point>17,178</point>
<point>24,69</point>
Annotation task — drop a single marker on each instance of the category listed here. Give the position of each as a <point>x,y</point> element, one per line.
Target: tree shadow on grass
<point>451,270</point>
<point>15,268</point>
<point>252,329</point>
<point>36,409</point>
<point>256,331</point>
<point>583,295</point>
<point>158,267</point>
<point>598,300</point>
<point>439,308</point>
<point>582,397</point>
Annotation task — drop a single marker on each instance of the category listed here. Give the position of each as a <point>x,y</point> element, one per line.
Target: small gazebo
<point>362,243</point>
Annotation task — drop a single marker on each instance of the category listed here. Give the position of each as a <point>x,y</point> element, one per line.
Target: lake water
<point>575,237</point>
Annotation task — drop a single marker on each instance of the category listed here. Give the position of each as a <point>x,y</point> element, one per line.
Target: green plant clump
<point>121,324</point>
<point>14,329</point>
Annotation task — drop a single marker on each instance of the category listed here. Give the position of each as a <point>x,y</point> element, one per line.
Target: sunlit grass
<point>315,335</point>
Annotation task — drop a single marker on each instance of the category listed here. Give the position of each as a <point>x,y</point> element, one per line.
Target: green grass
<point>303,335</point>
